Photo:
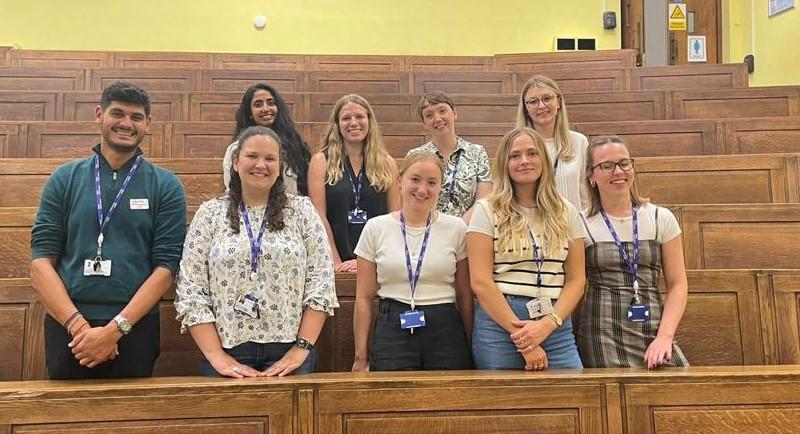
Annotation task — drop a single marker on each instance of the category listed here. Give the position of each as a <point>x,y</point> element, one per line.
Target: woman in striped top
<point>526,262</point>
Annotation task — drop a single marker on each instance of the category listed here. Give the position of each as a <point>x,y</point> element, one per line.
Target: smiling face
<point>542,105</point>
<point>617,181</point>
<point>353,123</point>
<point>420,185</point>
<point>258,164</point>
<point>263,108</point>
<point>439,119</point>
<point>524,161</point>
<point>122,125</point>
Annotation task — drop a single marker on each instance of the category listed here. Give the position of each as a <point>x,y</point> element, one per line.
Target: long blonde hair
<point>594,196</point>
<point>565,149</point>
<point>510,219</point>
<point>376,158</point>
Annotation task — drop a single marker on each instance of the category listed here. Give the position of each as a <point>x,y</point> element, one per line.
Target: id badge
<point>357,216</point>
<point>638,312</point>
<point>97,267</point>
<point>539,307</point>
<point>247,305</point>
<point>412,319</point>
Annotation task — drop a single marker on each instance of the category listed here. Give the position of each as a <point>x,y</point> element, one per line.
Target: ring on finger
<point>235,369</point>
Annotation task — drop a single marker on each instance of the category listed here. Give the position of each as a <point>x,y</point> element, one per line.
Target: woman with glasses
<point>525,252</point>
<point>630,244</point>
<point>542,107</point>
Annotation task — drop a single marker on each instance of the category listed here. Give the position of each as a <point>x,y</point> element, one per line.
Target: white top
<point>515,273</point>
<point>668,227</point>
<point>381,242</point>
<point>289,177</point>
<point>570,175</point>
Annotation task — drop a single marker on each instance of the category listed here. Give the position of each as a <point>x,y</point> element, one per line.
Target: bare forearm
<point>495,304</point>
<point>674,307</point>
<point>311,324</point>
<point>570,296</point>
<point>207,339</point>
<point>362,324</point>
<point>148,294</point>
<point>51,290</point>
<point>467,311</point>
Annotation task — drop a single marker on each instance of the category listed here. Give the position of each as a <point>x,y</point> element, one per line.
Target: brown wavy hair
<point>594,192</point>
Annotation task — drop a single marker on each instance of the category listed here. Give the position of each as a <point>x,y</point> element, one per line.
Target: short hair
<point>125,92</point>
<point>433,98</point>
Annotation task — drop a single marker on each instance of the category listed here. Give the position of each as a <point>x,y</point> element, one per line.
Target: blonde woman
<point>630,244</point>
<point>542,107</point>
<point>415,260</point>
<point>352,179</point>
<point>525,249</point>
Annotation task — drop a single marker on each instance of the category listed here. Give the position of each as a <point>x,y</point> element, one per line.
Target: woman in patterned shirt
<point>256,281</point>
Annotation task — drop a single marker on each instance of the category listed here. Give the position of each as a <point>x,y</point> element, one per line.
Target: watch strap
<point>304,344</point>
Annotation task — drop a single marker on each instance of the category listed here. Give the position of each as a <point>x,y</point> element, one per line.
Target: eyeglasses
<point>546,100</point>
<point>609,166</point>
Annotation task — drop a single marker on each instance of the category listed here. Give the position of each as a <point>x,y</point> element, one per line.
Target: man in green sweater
<point>106,245</point>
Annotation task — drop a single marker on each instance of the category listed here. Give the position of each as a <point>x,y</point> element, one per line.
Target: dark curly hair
<point>277,194</point>
<point>295,149</point>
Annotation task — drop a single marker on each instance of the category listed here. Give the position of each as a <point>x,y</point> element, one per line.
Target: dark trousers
<point>261,356</point>
<point>441,344</point>
<point>138,352</point>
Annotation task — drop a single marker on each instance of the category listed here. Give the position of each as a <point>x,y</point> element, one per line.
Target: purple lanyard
<point>538,259</point>
<point>453,178</point>
<point>414,278</point>
<point>633,265</point>
<point>98,195</point>
<point>255,243</point>
<point>356,186</point>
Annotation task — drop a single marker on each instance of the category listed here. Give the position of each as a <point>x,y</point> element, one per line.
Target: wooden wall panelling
<point>179,356</point>
<point>498,109</point>
<point>236,80</point>
<point>200,139</point>
<point>359,82</point>
<point>616,106</point>
<point>740,236</point>
<point>222,106</point>
<point>572,59</point>
<point>448,63</point>
<point>736,103</point>
<point>258,61</point>
<point>5,56</point>
<point>335,346</point>
<point>152,80</point>
<point>15,240</point>
<point>660,137</point>
<point>714,179</point>
<point>576,80</point>
<point>463,82</point>
<point>487,135</point>
<point>163,60</point>
<point>36,79</point>
<point>164,106</point>
<point>76,139</point>
<point>13,140</point>
<point>672,77</point>
<point>28,106</point>
<point>729,300</point>
<point>60,59</point>
<point>355,63</point>
<point>786,302</point>
<point>762,135</point>
<point>16,306</point>
<point>387,108</point>
<point>382,403</point>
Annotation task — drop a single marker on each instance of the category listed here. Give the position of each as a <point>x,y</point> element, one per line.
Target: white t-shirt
<point>570,175</point>
<point>515,273</point>
<point>668,227</point>
<point>381,242</point>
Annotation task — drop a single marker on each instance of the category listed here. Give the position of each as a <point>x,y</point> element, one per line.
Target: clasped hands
<point>528,339</point>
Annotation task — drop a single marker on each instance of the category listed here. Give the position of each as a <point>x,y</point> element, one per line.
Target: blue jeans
<point>261,356</point>
<point>492,347</point>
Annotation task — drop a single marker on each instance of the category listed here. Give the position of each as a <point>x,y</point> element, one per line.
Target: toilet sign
<point>697,49</point>
<point>677,16</point>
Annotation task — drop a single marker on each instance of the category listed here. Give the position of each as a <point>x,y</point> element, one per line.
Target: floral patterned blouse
<point>295,271</point>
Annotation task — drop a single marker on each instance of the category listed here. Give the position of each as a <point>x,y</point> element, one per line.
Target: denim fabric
<point>262,356</point>
<point>492,347</point>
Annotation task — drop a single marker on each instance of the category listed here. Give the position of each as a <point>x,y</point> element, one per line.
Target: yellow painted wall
<point>443,27</point>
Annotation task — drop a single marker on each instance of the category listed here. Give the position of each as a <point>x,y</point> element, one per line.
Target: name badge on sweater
<point>140,204</point>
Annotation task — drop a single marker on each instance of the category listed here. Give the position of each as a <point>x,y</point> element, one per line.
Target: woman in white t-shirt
<point>630,244</point>
<point>525,245</point>
<point>542,107</point>
<point>415,261</point>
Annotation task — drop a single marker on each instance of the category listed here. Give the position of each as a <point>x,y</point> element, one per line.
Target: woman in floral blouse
<point>256,281</point>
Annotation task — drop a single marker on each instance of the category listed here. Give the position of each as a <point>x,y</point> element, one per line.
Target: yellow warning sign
<point>677,16</point>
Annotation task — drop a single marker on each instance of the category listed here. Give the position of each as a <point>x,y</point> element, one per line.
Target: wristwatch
<point>304,343</point>
<point>556,319</point>
<point>123,324</point>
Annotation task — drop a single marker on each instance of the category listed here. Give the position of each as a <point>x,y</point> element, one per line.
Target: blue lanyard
<point>414,278</point>
<point>633,265</point>
<point>356,186</point>
<point>255,243</point>
<point>453,178</point>
<point>98,195</point>
<point>538,259</point>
